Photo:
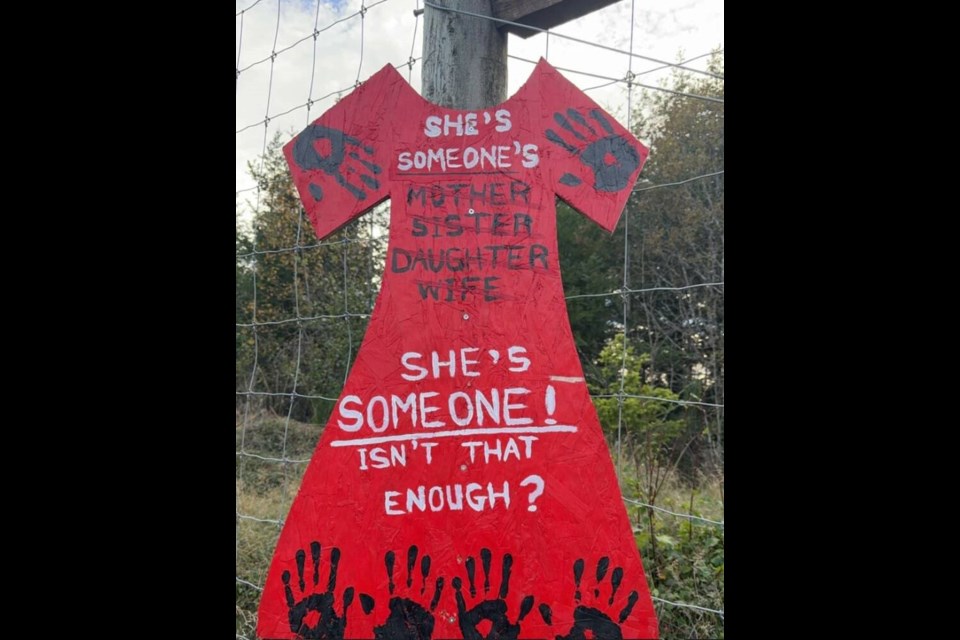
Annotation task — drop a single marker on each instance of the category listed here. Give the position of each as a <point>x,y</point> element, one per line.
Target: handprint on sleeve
<point>339,147</point>
<point>408,619</point>
<point>589,619</point>
<point>313,616</point>
<point>495,611</point>
<point>611,158</point>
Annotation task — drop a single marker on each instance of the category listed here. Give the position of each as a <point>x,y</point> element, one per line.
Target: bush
<point>683,558</point>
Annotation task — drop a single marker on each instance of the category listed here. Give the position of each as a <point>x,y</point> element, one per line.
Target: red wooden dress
<point>462,486</point>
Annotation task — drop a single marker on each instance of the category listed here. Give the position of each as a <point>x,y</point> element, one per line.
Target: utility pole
<point>465,57</point>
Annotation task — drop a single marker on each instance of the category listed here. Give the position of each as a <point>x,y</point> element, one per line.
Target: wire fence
<point>277,75</point>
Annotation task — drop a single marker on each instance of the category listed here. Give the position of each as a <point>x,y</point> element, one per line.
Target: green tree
<point>644,419</point>
<point>244,285</point>
<point>672,230</point>
<point>588,262</point>
<point>673,233</point>
<point>305,303</point>
<point>677,241</point>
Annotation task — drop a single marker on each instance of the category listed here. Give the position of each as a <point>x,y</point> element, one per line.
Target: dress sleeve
<point>338,161</point>
<point>593,160</point>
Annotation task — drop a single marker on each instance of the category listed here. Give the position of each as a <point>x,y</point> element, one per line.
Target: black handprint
<point>408,620</point>
<point>598,623</point>
<point>318,607</point>
<point>612,158</point>
<point>493,610</point>
<point>308,157</point>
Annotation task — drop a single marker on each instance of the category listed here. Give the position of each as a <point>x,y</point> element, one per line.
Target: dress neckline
<point>541,66</point>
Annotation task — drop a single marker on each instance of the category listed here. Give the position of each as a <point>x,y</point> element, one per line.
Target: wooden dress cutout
<point>462,487</point>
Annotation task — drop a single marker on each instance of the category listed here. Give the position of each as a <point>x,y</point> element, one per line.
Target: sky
<point>355,48</point>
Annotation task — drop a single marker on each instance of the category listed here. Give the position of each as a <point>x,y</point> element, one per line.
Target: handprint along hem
<point>463,470</point>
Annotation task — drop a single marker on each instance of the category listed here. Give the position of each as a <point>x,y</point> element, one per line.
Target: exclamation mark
<point>551,401</point>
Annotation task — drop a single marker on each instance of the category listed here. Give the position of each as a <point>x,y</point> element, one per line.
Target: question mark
<point>536,493</point>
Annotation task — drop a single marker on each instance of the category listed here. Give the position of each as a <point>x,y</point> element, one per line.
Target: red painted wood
<point>467,376</point>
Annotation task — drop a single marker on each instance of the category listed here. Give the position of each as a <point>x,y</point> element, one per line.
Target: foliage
<point>679,235</point>
<point>685,560</point>
<point>588,266</point>
<point>672,232</point>
<point>308,300</point>
<point>651,426</point>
